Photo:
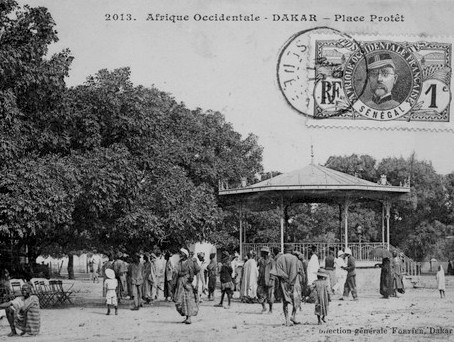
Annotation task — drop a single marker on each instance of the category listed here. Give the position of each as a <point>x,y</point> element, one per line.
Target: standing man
<point>341,274</point>
<point>137,281</point>
<point>386,278</point>
<point>168,276</point>
<point>184,296</point>
<point>265,290</point>
<point>396,268</point>
<point>123,269</point>
<point>329,267</point>
<point>312,266</point>
<point>23,313</point>
<point>117,267</point>
<point>288,288</point>
<point>199,280</point>
<point>234,264</point>
<point>148,278</point>
<point>350,283</point>
<point>212,273</point>
<point>160,263</point>
<point>93,265</point>
<point>109,264</point>
<point>249,282</point>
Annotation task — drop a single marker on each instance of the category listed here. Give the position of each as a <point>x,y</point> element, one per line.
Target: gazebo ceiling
<point>313,184</point>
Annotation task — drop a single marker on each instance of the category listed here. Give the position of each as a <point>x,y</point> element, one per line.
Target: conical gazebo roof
<point>315,183</point>
<point>314,175</point>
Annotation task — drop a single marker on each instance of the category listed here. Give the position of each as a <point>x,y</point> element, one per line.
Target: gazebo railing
<point>360,251</point>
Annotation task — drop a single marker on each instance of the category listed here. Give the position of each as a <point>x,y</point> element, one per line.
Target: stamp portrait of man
<point>381,76</point>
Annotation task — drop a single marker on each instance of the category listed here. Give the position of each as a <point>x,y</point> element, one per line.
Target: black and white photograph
<point>225,170</point>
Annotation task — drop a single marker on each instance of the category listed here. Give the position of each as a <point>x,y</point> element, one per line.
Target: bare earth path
<point>418,315</point>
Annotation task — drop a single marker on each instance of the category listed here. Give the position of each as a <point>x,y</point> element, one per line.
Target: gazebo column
<point>387,206</point>
<point>282,215</point>
<point>340,221</point>
<point>241,231</point>
<point>346,204</point>
<point>383,224</point>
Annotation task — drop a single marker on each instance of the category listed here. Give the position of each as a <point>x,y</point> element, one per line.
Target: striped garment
<point>27,317</point>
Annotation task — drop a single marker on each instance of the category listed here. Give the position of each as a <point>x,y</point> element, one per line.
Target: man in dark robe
<point>286,271</point>
<point>212,273</point>
<point>386,278</point>
<point>265,290</point>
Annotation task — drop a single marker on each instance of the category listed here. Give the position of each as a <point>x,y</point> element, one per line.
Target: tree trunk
<point>70,266</point>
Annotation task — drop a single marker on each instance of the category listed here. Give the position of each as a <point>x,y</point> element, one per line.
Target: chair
<point>16,287</point>
<point>45,296</point>
<point>5,294</point>
<point>65,294</point>
<point>59,295</point>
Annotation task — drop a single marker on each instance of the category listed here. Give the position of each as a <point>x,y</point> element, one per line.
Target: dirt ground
<point>417,315</point>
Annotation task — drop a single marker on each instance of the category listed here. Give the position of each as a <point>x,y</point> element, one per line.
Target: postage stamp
<point>336,78</point>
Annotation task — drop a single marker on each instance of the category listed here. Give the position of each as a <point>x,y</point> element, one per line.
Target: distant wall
<point>425,266</point>
<point>80,263</point>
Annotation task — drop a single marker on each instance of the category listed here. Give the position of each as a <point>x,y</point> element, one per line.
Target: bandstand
<point>314,184</point>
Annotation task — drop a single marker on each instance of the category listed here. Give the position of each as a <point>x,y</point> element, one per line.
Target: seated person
<point>23,313</point>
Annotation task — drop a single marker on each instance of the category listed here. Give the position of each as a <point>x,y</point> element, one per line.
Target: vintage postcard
<point>294,83</point>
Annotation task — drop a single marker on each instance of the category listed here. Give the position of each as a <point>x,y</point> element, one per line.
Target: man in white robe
<point>312,267</point>
<point>250,278</point>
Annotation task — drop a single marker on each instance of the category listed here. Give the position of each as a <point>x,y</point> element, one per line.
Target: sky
<point>230,67</point>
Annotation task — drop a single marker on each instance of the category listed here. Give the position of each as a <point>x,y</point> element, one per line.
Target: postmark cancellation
<point>339,79</point>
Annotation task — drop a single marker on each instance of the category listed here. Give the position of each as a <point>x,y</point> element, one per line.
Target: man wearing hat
<point>350,283</point>
<point>382,77</point>
<point>288,288</point>
<point>341,274</point>
<point>265,290</point>
<point>184,296</point>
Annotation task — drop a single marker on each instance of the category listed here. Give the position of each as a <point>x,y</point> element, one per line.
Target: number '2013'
<point>118,17</point>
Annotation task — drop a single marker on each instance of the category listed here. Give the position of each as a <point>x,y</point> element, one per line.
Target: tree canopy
<point>104,165</point>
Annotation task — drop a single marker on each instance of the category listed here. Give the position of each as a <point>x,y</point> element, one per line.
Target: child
<point>111,294</point>
<point>322,297</point>
<point>441,281</point>
<point>226,280</point>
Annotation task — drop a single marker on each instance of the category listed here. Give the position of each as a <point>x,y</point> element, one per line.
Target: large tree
<point>106,164</point>
<point>33,179</point>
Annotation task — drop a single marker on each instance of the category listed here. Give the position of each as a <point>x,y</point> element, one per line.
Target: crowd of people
<point>267,278</point>
<point>291,279</point>
<point>142,277</point>
<point>272,277</point>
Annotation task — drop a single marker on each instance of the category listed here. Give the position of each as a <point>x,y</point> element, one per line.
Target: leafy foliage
<point>105,165</point>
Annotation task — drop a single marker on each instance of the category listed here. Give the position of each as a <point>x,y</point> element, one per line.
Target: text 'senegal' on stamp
<point>367,81</point>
